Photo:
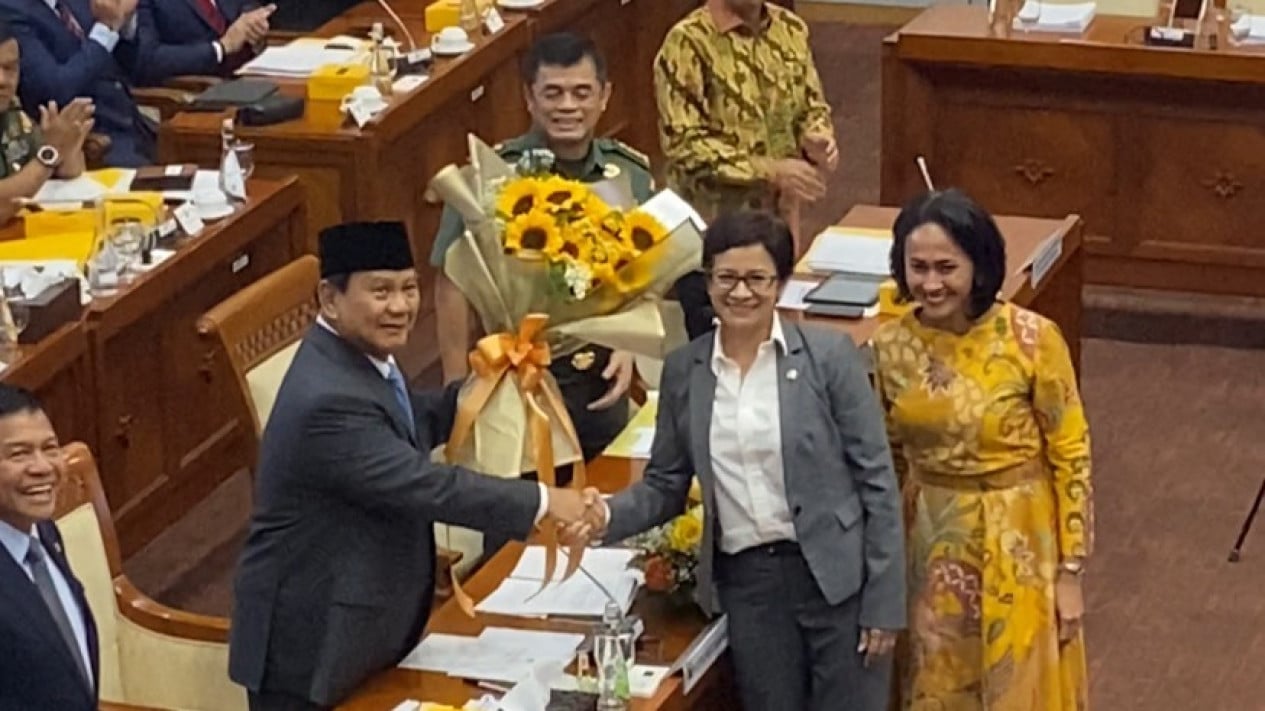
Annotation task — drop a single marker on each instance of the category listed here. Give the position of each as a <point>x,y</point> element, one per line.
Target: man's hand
<point>876,643</point>
<point>822,150</point>
<point>249,28</point>
<point>593,524</point>
<point>65,129</point>
<point>619,372</point>
<point>798,178</point>
<point>112,13</point>
<point>568,506</point>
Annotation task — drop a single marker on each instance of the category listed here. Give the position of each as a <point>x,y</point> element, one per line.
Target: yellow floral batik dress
<point>992,447</point>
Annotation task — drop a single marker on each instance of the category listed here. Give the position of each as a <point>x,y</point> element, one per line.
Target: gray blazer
<point>840,484</point>
<point>337,574</point>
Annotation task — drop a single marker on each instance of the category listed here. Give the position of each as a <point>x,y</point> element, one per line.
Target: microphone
<point>415,61</point>
<point>926,175</point>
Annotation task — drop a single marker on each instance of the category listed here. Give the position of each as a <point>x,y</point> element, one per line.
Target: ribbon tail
<point>542,446</point>
<point>554,397</point>
<point>464,602</point>
<point>468,409</point>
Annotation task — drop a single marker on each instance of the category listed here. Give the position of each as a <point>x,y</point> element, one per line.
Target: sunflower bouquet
<point>549,263</point>
<point>585,242</point>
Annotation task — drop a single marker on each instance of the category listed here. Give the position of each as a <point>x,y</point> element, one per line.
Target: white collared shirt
<point>746,448</point>
<point>17,543</point>
<point>384,367</point>
<point>103,35</point>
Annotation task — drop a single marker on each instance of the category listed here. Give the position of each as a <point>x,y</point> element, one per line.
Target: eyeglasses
<point>757,282</point>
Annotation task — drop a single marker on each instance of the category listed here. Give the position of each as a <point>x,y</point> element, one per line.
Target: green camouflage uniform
<point>20,138</point>
<point>730,100</point>
<point>577,366</point>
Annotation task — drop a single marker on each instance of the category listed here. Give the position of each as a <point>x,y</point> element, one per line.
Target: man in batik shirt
<point>742,117</point>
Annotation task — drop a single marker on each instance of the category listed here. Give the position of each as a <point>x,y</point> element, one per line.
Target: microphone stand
<point>414,62</point>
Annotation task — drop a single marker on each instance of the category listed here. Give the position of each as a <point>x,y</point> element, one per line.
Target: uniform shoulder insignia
<point>632,154</point>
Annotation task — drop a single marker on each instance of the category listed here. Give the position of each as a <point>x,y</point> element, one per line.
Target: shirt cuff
<point>104,36</point>
<point>128,30</point>
<point>219,52</point>
<point>544,502</point>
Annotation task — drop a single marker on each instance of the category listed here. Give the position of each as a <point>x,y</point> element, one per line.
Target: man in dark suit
<point>337,575</point>
<point>84,48</point>
<point>307,15</point>
<point>48,641</point>
<point>207,37</point>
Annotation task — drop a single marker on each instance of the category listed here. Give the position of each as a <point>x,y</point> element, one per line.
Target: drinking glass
<point>245,157</point>
<point>127,236</point>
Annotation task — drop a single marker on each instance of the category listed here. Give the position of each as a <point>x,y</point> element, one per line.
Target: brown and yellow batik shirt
<point>730,100</point>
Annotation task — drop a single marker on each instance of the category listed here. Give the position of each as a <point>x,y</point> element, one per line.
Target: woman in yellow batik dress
<point>992,447</point>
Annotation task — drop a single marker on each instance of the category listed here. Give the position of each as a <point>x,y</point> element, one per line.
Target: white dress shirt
<point>746,448</point>
<point>17,543</point>
<point>384,367</point>
<point>103,35</point>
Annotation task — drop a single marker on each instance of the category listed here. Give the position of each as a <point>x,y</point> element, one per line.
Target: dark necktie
<point>401,392</point>
<point>68,19</point>
<point>213,15</point>
<point>35,559</point>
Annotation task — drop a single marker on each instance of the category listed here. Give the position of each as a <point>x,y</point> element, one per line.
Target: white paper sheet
<point>793,294</point>
<point>671,210</point>
<point>80,189</point>
<point>602,563</point>
<point>297,59</point>
<point>498,654</point>
<point>576,597</point>
<point>838,250</point>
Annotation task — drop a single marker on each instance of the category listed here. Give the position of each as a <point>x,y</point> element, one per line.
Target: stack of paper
<point>840,249</point>
<point>1040,16</point>
<point>498,654</point>
<point>300,58</point>
<point>1249,29</point>
<point>582,595</point>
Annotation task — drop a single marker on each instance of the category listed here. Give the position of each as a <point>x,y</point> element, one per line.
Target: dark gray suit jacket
<point>337,574</point>
<point>840,484</point>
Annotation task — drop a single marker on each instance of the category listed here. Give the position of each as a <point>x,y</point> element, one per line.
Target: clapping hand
<point>249,28</point>
<point>65,129</point>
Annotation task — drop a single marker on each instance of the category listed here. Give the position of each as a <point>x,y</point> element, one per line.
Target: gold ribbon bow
<point>524,358</point>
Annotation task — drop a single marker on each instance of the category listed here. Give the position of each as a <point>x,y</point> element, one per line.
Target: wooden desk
<point>59,372</point>
<point>382,170</point>
<point>166,429</point>
<point>674,628</point>
<point>1058,296</point>
<point>1158,149</point>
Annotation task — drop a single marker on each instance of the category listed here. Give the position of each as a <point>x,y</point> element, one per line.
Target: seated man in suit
<point>31,153</point>
<point>338,571</point>
<point>84,49</point>
<point>208,37</point>
<point>48,641</point>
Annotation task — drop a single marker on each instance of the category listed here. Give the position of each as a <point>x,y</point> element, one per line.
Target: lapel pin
<point>792,374</point>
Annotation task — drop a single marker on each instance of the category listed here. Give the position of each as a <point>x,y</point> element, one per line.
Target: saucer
<point>520,4</point>
<point>452,50</point>
<point>214,211</point>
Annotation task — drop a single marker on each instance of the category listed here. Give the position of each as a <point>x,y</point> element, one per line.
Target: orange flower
<point>658,575</point>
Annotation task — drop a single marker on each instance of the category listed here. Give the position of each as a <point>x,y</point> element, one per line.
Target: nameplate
<point>189,220</point>
<point>493,21</point>
<point>1046,257</point>
<point>702,653</point>
<point>359,113</point>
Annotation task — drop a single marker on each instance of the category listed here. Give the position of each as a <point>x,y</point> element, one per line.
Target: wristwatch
<point>48,156</point>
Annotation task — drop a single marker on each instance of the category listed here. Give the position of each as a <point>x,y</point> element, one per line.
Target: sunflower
<point>641,231</point>
<point>562,194</point>
<point>576,246</point>
<point>534,231</point>
<point>519,197</point>
<point>596,209</point>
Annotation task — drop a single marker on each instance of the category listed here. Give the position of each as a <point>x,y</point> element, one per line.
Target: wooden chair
<point>259,329</point>
<point>151,655</point>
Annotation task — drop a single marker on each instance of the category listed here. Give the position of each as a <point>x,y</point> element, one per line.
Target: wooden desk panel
<point>59,372</point>
<point>1156,148</point>
<point>675,628</point>
<point>168,430</point>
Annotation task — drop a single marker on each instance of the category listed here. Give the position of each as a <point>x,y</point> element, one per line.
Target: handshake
<point>580,515</point>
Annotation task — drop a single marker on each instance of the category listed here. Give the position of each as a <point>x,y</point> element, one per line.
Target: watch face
<point>47,155</point>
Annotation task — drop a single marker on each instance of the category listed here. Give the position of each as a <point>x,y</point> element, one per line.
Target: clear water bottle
<point>613,654</point>
<point>103,271</point>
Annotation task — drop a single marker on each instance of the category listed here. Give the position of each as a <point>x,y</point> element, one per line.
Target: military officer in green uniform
<point>564,78</point>
<point>30,154</point>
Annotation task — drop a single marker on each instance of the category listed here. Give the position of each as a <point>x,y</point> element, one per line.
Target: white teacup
<point>209,197</point>
<point>366,94</point>
<point>449,39</point>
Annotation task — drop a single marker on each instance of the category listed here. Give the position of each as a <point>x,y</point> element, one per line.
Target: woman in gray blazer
<point>802,543</point>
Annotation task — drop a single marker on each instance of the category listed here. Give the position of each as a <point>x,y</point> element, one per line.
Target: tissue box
<point>331,82</point>
<point>50,310</point>
<point>441,14</point>
<point>46,223</point>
